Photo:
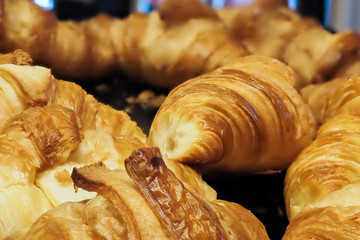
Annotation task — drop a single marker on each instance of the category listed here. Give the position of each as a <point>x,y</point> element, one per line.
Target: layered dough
<point>322,184</point>
<point>253,114</point>
<point>245,116</point>
<point>51,128</point>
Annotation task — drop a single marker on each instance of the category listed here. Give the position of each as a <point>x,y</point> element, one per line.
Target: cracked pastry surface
<point>145,200</point>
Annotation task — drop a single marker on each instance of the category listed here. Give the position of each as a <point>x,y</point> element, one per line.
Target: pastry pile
<point>252,89</point>
<point>74,168</point>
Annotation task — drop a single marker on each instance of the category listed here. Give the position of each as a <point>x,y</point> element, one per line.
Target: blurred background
<point>335,15</point>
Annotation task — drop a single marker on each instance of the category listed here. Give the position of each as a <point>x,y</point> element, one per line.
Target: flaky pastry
<point>322,184</point>
<point>55,127</point>
<point>145,201</point>
<point>48,126</point>
<point>244,116</point>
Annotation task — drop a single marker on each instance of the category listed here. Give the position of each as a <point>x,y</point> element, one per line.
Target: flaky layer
<point>322,184</point>
<point>245,116</point>
<point>325,223</point>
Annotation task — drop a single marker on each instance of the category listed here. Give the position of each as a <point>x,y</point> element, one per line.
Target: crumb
<point>147,99</point>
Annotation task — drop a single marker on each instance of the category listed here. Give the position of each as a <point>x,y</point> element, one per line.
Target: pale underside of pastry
<point>48,126</point>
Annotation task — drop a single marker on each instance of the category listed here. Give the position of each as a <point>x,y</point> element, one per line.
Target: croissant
<point>48,126</point>
<point>326,98</point>
<point>56,127</point>
<point>270,28</point>
<point>144,201</point>
<point>244,116</point>
<point>161,49</point>
<point>322,185</point>
<point>317,95</point>
<point>318,55</point>
<point>265,27</point>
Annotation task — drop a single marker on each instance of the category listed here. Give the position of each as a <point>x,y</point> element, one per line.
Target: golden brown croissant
<point>244,116</point>
<point>48,126</point>
<point>271,28</point>
<point>265,27</point>
<point>162,48</point>
<point>318,55</point>
<point>326,98</point>
<point>322,184</point>
<point>317,96</point>
<point>147,201</point>
<point>62,127</point>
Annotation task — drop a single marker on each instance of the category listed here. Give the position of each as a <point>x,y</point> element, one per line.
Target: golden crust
<point>328,164</point>
<point>146,201</point>
<point>325,223</point>
<point>318,95</point>
<point>18,57</point>
<point>322,184</point>
<point>170,200</point>
<point>29,142</point>
<point>316,53</point>
<point>245,116</point>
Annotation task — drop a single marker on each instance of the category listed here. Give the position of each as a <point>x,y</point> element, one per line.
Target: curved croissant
<point>244,116</point>
<point>317,96</point>
<point>325,98</point>
<point>318,55</point>
<point>161,49</point>
<point>265,27</point>
<point>271,28</point>
<point>322,184</point>
<point>145,201</point>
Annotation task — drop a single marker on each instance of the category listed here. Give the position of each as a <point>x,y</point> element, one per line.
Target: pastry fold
<point>37,138</point>
<point>48,126</point>
<point>146,200</point>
